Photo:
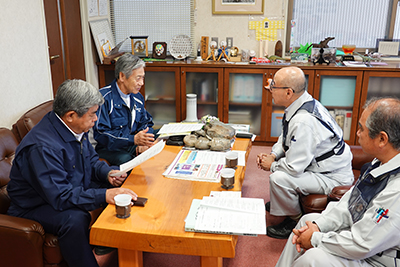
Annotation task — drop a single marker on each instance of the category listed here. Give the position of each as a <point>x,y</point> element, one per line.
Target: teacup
<point>123,205</point>
<point>231,159</point>
<point>227,178</point>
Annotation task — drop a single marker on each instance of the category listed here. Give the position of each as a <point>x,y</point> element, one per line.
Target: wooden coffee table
<point>159,226</point>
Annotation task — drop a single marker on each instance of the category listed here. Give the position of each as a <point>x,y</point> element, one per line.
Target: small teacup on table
<point>231,159</point>
<point>123,204</point>
<point>227,178</point>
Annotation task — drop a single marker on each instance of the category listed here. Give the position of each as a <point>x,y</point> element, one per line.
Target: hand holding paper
<point>149,153</point>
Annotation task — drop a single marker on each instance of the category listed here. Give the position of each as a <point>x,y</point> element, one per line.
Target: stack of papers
<point>171,129</point>
<point>227,215</point>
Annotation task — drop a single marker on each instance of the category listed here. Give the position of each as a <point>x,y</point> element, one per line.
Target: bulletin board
<point>101,32</point>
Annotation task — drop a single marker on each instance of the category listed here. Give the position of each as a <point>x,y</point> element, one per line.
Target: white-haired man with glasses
<point>124,128</point>
<point>310,156</point>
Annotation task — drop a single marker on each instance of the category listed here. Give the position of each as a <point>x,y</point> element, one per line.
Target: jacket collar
<point>291,110</point>
<point>60,127</point>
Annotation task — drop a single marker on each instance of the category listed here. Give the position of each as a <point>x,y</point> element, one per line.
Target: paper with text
<point>149,153</point>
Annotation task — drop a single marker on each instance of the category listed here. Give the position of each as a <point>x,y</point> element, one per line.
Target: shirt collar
<point>123,96</point>
<point>77,136</point>
<point>387,167</point>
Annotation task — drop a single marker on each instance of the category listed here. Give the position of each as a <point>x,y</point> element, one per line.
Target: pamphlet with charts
<point>197,165</point>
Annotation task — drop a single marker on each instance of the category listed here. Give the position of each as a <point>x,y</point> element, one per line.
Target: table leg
<point>130,258</point>
<point>210,261</point>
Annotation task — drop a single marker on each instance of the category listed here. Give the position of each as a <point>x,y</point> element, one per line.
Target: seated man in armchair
<point>54,170</point>
<point>124,128</point>
<point>362,229</point>
<point>310,156</point>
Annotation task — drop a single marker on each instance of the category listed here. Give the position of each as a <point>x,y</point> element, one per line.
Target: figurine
<point>222,51</point>
<point>213,46</point>
<point>322,44</point>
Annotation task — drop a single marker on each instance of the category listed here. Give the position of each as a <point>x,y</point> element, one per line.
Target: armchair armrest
<point>337,192</point>
<point>21,241</point>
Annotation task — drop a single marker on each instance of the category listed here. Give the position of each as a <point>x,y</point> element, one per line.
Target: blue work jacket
<point>114,128</point>
<point>52,167</point>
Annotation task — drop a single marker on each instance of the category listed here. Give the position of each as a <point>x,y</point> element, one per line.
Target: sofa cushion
<point>8,145</point>
<point>27,121</point>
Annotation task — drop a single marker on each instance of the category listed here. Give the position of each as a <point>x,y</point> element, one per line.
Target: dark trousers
<point>72,229</point>
<point>119,156</point>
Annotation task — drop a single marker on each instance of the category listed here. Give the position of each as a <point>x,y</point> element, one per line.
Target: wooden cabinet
<point>235,93</point>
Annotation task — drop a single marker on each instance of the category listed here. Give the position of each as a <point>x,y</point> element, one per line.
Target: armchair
<point>317,202</point>
<point>23,242</point>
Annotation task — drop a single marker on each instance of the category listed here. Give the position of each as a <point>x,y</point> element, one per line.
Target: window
<point>160,20</point>
<point>396,33</point>
<point>358,22</point>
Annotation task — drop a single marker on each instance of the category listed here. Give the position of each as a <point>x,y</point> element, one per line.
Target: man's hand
<point>302,236</point>
<point>116,180</point>
<point>141,149</point>
<point>143,138</point>
<point>264,161</point>
<point>111,193</point>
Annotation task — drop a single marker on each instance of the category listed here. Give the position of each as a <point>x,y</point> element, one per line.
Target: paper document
<point>149,153</point>
<point>226,194</point>
<point>234,216</point>
<point>180,127</point>
<point>200,165</point>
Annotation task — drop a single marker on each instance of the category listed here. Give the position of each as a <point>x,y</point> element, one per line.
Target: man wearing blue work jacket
<point>55,170</point>
<point>124,128</point>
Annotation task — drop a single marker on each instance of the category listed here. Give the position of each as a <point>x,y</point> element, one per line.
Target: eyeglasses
<point>271,85</point>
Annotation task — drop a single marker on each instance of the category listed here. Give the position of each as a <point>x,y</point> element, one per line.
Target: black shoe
<point>99,250</point>
<point>268,206</point>
<point>282,230</point>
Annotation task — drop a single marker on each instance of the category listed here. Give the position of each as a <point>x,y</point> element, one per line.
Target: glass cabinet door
<point>246,95</point>
<point>339,92</point>
<point>161,91</point>
<point>205,84</point>
<point>380,84</point>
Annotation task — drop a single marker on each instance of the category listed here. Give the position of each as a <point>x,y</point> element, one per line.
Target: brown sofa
<point>24,242</point>
<point>317,202</point>
<point>30,119</point>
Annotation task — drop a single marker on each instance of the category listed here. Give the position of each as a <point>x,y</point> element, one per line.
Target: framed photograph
<point>159,50</point>
<point>238,7</point>
<point>389,47</point>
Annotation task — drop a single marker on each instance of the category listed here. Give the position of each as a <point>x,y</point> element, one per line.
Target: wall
<point>24,65</point>
<point>235,26</point>
<point>206,24</point>
<point>90,51</point>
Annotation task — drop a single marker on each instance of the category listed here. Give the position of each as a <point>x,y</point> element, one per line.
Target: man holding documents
<point>124,127</point>
<point>362,229</point>
<point>55,168</point>
<point>310,156</point>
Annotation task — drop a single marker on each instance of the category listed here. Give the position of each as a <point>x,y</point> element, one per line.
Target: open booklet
<point>149,153</point>
<point>200,165</point>
<point>227,215</point>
